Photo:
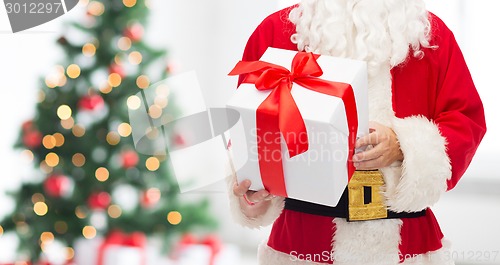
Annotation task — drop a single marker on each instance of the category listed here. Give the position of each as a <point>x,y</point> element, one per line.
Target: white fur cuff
<point>266,219</point>
<point>425,168</point>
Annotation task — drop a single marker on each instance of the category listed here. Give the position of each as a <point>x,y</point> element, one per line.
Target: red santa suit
<point>434,109</point>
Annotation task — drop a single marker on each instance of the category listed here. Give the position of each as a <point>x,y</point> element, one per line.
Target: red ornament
<point>32,139</point>
<point>115,68</point>
<point>27,126</point>
<point>129,159</point>
<point>58,186</point>
<point>150,198</point>
<point>134,32</point>
<point>171,68</point>
<point>62,40</point>
<point>99,200</point>
<point>188,239</point>
<point>91,103</point>
<point>179,140</point>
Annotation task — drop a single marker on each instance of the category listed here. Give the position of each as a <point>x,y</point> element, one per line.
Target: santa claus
<point>427,121</point>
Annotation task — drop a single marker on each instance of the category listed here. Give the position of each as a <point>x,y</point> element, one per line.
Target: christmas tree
<point>93,180</point>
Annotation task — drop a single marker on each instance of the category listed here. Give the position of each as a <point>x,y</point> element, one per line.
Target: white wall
<point>480,45</point>
<point>207,36</point>
<point>24,57</point>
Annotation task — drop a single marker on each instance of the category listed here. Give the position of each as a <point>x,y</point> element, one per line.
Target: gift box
<point>205,251</point>
<point>300,123</point>
<point>203,255</point>
<point>116,248</point>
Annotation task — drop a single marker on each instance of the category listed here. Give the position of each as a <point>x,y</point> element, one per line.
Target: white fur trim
<point>425,168</point>
<point>419,181</point>
<point>368,242</point>
<point>269,256</point>
<point>266,219</point>
<point>380,95</point>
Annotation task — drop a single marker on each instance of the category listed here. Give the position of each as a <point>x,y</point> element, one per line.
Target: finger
<point>362,141</point>
<point>374,126</point>
<point>370,139</point>
<point>370,164</point>
<point>242,188</point>
<point>370,154</point>
<point>258,196</point>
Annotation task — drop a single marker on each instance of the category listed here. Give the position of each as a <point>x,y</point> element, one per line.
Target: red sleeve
<point>440,123</point>
<point>259,41</point>
<point>274,31</point>
<point>458,111</point>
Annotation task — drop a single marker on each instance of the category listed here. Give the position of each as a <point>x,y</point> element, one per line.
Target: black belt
<point>342,208</point>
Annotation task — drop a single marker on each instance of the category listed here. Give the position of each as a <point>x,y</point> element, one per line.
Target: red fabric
<point>275,31</point>
<point>296,233</point>
<point>419,235</point>
<point>438,87</point>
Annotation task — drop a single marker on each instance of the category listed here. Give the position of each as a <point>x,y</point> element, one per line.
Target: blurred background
<point>208,37</point>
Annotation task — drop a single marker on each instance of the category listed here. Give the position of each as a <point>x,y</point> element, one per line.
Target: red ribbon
<point>279,113</point>
<point>121,239</point>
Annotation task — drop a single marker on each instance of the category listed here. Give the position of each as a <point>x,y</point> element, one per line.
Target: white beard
<point>380,32</point>
<point>377,31</point>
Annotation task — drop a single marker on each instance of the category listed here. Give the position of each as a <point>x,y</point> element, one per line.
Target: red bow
<point>210,241</point>
<point>119,238</point>
<point>279,113</point>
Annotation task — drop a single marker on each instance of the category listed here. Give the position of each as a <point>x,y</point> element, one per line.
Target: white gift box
<point>198,254</point>
<point>319,175</point>
<point>122,255</point>
<point>87,253</point>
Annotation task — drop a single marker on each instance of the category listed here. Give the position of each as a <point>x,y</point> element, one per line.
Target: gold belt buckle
<point>366,201</point>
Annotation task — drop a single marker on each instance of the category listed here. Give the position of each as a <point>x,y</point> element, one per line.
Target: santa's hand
<point>385,149</point>
<point>252,203</point>
<point>251,197</point>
